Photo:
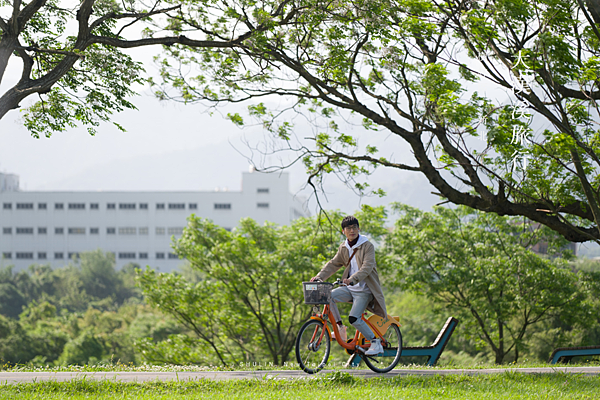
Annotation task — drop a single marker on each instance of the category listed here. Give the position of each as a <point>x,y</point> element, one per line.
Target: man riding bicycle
<point>357,254</point>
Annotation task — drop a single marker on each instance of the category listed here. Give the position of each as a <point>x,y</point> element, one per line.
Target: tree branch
<point>373,160</point>
<point>589,19</point>
<point>51,51</point>
<point>15,13</point>
<point>136,16</point>
<point>4,25</point>
<point>27,65</point>
<point>28,12</point>
<point>83,16</point>
<point>166,41</point>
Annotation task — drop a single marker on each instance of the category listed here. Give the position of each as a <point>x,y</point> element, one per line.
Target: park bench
<point>565,354</point>
<point>433,352</point>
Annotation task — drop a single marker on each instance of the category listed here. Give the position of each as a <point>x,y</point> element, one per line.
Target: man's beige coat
<point>367,272</point>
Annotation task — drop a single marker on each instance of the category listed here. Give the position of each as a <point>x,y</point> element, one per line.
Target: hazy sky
<point>171,146</point>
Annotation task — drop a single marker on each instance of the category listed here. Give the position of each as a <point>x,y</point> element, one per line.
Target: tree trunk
<point>593,7</point>
<point>586,186</point>
<point>7,47</point>
<point>9,101</point>
<point>500,351</point>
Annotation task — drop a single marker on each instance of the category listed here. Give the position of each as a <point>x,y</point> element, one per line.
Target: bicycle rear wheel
<point>392,351</point>
<point>312,351</point>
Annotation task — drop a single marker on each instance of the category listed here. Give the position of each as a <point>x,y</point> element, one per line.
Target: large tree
<point>248,302</point>
<point>416,69</point>
<point>478,265</point>
<point>72,57</point>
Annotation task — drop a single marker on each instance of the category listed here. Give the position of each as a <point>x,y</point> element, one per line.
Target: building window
<point>94,206</point>
<point>159,256</point>
<point>126,206</point>
<point>7,231</point>
<point>176,206</point>
<point>41,206</point>
<point>173,256</point>
<point>7,256</point>
<point>143,206</point>
<point>222,206</point>
<point>127,231</point>
<point>41,255</point>
<point>76,231</point>
<point>111,206</point>
<point>24,256</point>
<point>7,206</point>
<point>76,206</point>
<point>143,256</point>
<point>42,231</point>
<point>24,231</point>
<point>175,231</point>
<point>262,190</point>
<point>24,206</point>
<point>59,231</point>
<point>94,231</point>
<point>111,231</point>
<point>59,256</point>
<point>262,205</point>
<point>126,256</point>
<point>160,231</point>
<point>59,206</point>
<point>143,231</point>
<point>193,206</point>
<point>73,254</point>
<point>160,206</point>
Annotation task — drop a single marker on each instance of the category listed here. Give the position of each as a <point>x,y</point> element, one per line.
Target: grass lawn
<point>337,385</point>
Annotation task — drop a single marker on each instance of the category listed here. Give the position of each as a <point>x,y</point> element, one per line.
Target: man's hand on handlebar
<point>345,282</point>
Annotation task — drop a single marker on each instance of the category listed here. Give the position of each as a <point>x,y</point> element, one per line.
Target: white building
<point>8,182</point>
<point>52,227</point>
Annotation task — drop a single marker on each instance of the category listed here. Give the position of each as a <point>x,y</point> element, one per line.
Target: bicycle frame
<point>326,315</point>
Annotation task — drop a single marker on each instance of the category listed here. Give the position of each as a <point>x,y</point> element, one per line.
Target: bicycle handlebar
<point>339,282</point>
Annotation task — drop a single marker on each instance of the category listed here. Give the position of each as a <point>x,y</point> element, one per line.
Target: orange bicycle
<point>313,343</point>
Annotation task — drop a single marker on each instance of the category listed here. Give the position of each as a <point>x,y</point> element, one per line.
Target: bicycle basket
<point>317,292</point>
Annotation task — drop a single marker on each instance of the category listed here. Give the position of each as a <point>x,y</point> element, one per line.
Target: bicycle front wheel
<point>392,351</point>
<point>312,350</point>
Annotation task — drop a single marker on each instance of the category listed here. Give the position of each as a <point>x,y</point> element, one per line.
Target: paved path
<point>14,377</point>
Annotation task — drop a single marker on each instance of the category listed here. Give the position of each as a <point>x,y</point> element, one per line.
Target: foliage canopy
<point>481,267</point>
<point>247,303</point>
<point>476,89</point>
<point>496,99</point>
<point>85,312</point>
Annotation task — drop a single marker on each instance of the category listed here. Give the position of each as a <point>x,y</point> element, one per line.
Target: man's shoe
<point>342,332</point>
<point>375,349</point>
